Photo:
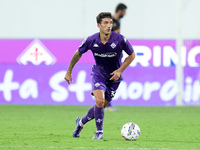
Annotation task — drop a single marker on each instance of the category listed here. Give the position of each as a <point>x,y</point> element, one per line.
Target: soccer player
<point>106,47</point>
<point>119,13</point>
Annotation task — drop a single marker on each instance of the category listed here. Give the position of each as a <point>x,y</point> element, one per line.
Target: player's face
<point>122,13</point>
<point>106,25</point>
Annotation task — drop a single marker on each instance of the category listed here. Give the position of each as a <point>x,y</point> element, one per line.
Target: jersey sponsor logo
<point>36,53</point>
<point>113,54</point>
<point>113,45</point>
<point>95,45</point>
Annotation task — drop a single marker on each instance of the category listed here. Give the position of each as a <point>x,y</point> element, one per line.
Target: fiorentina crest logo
<point>36,53</point>
<point>97,84</point>
<point>113,45</point>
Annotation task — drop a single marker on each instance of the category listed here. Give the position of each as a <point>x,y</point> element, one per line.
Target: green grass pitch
<point>50,127</point>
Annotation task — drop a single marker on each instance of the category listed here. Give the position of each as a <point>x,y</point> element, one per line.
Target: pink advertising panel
<point>32,72</point>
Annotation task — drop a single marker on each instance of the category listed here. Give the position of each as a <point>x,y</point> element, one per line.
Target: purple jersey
<point>108,56</point>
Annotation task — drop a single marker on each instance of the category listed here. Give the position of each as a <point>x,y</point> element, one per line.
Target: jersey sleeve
<point>127,47</point>
<point>84,46</point>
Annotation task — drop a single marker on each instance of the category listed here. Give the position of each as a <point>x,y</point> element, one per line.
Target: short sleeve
<point>84,46</point>
<point>127,47</point>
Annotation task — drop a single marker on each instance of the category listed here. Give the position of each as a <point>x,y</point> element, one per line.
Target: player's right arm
<point>77,55</point>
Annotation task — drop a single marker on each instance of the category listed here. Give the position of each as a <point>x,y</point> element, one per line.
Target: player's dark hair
<point>103,15</point>
<point>120,6</point>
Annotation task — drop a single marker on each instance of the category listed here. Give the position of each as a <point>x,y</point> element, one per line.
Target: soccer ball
<point>130,131</point>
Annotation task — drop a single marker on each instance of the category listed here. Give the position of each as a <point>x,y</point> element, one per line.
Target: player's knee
<point>100,102</point>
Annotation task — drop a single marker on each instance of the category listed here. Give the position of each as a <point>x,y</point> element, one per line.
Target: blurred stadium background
<point>38,39</point>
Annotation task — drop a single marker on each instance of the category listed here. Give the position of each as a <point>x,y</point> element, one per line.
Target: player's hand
<point>68,77</point>
<point>115,75</point>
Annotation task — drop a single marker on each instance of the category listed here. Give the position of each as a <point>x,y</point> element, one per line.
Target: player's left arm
<point>117,73</point>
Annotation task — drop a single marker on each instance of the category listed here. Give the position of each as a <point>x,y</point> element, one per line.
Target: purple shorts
<point>109,87</point>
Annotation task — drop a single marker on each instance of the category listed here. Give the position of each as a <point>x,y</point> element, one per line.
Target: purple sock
<point>99,115</point>
<point>89,115</point>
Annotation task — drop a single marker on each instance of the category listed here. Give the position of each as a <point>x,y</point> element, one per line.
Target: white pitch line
<point>114,148</point>
<point>130,148</point>
<point>28,146</point>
